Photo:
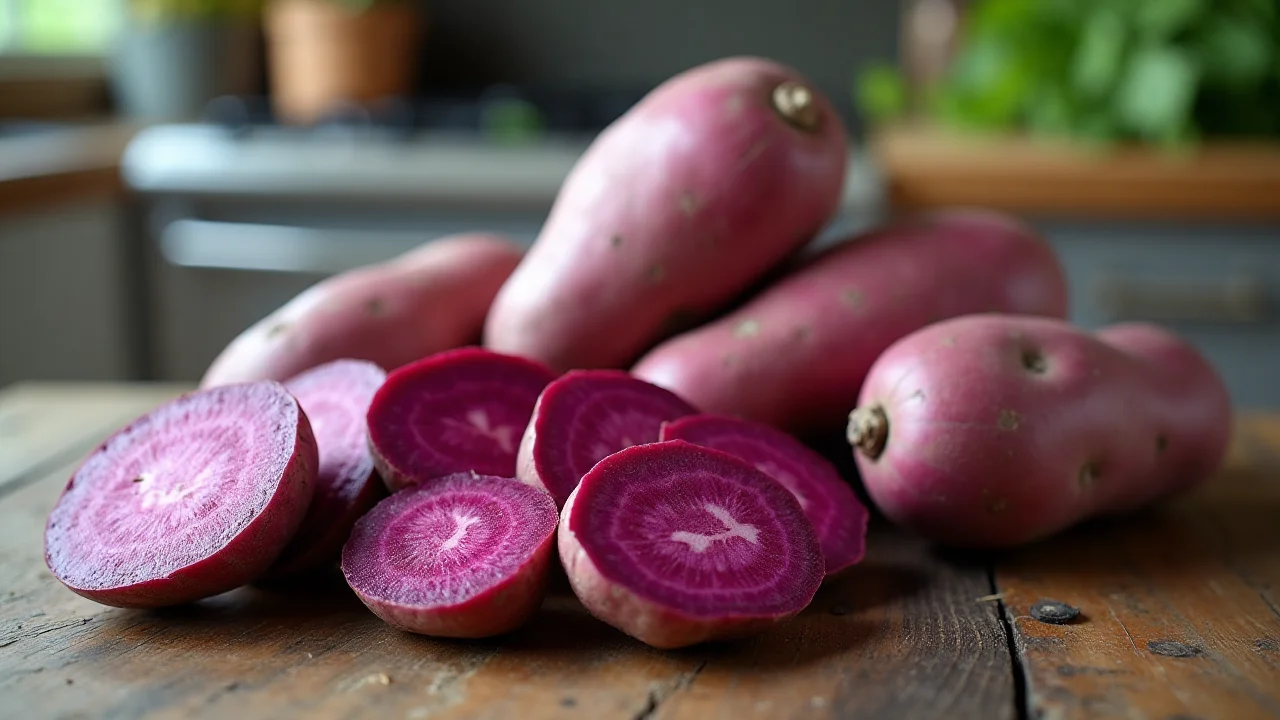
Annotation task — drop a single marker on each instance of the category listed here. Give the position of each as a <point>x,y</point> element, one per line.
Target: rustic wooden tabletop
<point>1180,619</point>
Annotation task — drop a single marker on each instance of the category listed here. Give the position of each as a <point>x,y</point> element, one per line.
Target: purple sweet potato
<point>195,498</point>
<point>676,544</point>
<point>429,299</point>
<point>693,195</point>
<point>795,355</point>
<point>998,430</point>
<point>456,411</point>
<point>464,556</point>
<point>584,416</point>
<point>829,502</point>
<point>335,396</point>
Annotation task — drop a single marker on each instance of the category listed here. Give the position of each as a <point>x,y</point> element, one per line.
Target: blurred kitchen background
<point>173,170</point>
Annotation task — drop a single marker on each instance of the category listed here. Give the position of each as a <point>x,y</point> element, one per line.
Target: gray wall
<point>637,44</point>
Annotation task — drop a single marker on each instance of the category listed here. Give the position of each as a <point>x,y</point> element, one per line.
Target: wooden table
<point>926,167</point>
<point>1180,619</point>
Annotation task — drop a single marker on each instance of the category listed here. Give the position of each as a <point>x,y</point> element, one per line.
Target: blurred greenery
<point>1166,72</point>
<point>89,26</point>
<point>165,10</point>
<point>58,26</point>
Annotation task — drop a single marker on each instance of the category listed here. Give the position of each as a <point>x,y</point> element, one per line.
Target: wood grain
<point>906,634</point>
<point>901,632</point>
<point>1180,605</point>
<point>40,421</point>
<point>925,167</point>
<point>1179,620</point>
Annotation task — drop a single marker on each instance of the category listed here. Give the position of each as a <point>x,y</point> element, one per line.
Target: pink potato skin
<point>676,208</point>
<point>796,355</point>
<point>649,622</point>
<point>498,610</point>
<point>429,299</point>
<point>1003,430</point>
<point>241,561</point>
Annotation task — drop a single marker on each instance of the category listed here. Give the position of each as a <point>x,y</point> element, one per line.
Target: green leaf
<point>1234,52</point>
<point>1155,97</point>
<point>1098,56</point>
<point>999,17</point>
<point>881,92</point>
<point>1163,18</point>
<point>1051,113</point>
<point>991,82</point>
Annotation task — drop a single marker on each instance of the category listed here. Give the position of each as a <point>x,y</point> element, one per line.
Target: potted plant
<point>174,56</point>
<point>323,54</point>
<point>1159,73</point>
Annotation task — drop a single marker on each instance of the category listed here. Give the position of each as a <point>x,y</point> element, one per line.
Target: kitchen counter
<point>60,165</point>
<point>1180,617</point>
<point>925,167</point>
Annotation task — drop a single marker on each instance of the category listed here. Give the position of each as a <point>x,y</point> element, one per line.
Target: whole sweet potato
<point>694,194</point>
<point>429,299</point>
<point>997,430</point>
<point>796,354</point>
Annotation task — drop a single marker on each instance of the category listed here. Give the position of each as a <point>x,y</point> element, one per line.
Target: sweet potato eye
<point>1033,361</point>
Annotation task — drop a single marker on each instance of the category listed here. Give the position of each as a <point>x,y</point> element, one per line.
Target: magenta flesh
<point>335,396</point>
<point>586,415</point>
<point>829,502</point>
<point>463,556</point>
<point>677,544</point>
<point>192,499</point>
<point>457,411</point>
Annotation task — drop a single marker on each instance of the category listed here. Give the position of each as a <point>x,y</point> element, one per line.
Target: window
<point>58,27</point>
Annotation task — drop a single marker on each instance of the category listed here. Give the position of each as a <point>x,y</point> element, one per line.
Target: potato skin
<point>999,430</point>
<point>428,299</point>
<point>690,197</point>
<point>795,355</point>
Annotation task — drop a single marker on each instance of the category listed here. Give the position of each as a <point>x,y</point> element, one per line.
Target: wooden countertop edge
<point>926,167</point>
<point>38,171</point>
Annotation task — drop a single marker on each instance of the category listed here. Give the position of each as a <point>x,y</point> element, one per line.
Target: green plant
<point>158,10</point>
<point>1161,71</point>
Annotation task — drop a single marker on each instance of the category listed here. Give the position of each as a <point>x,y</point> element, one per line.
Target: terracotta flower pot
<point>322,54</point>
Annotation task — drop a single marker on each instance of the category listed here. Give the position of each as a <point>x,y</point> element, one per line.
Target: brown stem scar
<point>1009,420</point>
<point>868,430</point>
<point>796,103</point>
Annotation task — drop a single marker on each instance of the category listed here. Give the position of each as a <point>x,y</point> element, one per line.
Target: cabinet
<point>1218,285</point>
<point>63,294</point>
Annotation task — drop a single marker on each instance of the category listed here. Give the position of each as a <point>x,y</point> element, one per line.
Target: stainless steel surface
<point>368,164</point>
<point>347,162</point>
<point>210,245</point>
